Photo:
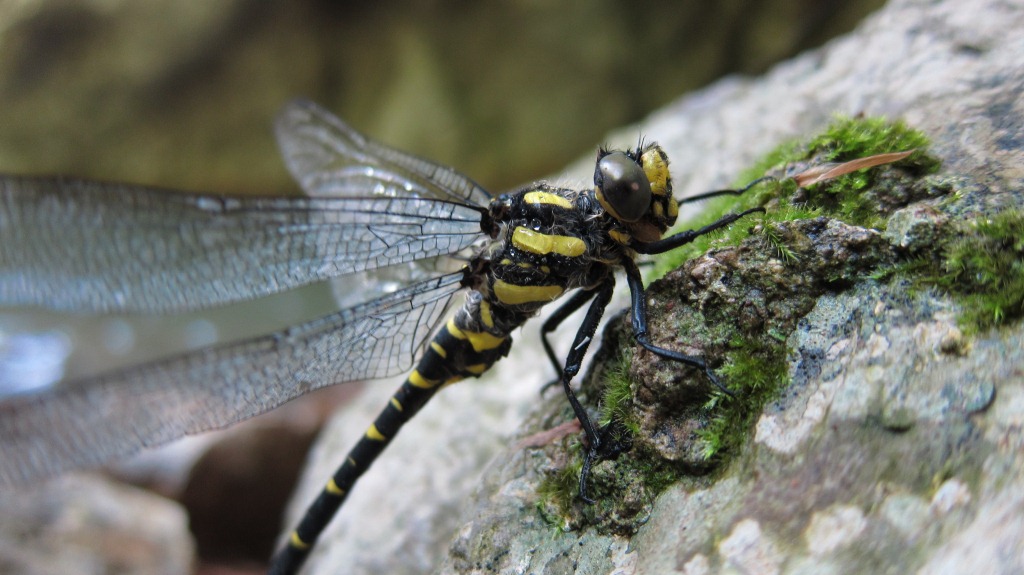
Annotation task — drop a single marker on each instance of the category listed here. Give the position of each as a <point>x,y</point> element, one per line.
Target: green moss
<point>756,368</point>
<point>985,270</point>
<point>558,492</point>
<point>617,396</point>
<point>843,198</point>
<point>756,373</point>
<point>980,263</point>
<point>755,353</point>
<point>851,138</point>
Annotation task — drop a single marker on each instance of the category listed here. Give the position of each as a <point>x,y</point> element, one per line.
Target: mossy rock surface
<point>887,437</point>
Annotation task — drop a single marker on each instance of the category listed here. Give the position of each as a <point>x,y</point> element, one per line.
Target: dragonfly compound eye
<point>622,187</point>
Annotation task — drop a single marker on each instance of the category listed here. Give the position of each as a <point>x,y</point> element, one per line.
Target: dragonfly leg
<point>598,446</point>
<point>729,192</point>
<point>575,302</point>
<point>639,319</point>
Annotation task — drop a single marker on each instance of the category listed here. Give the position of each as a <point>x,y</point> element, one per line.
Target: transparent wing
<point>90,421</point>
<point>330,158</point>
<point>86,246</point>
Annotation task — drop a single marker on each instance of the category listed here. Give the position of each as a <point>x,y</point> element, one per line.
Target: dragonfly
<point>75,245</point>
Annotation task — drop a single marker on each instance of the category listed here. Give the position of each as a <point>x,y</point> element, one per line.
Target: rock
<point>90,525</point>
<point>895,446</point>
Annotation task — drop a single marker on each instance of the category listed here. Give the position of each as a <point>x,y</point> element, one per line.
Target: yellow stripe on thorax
<point>548,199</point>
<point>480,340</point>
<point>544,244</point>
<point>512,294</point>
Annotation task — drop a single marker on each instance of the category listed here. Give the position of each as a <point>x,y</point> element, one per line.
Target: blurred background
<point>182,94</point>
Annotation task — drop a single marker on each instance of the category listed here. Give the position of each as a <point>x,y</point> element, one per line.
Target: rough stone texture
<point>896,447</point>
<point>91,526</point>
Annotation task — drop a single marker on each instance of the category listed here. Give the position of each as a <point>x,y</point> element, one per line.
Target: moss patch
<point>855,198</point>
<point>756,371</point>
<point>755,364</point>
<point>979,263</point>
<point>736,299</point>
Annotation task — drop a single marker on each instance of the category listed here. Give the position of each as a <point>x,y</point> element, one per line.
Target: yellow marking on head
<point>657,210</point>
<point>485,313</point>
<point>656,169</point>
<point>620,236</point>
<point>333,489</point>
<point>477,369</point>
<point>396,404</point>
<point>545,269</point>
<point>295,541</point>
<point>544,244</point>
<point>438,349</point>
<point>673,208</point>
<point>599,194</point>
<point>416,379</point>
<point>374,434</point>
<point>513,294</point>
<point>547,198</point>
<point>505,262</point>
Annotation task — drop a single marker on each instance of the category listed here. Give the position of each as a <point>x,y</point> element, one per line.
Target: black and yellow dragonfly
<point>76,245</point>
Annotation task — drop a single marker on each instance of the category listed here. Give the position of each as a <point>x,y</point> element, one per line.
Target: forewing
<point>87,246</point>
<point>91,421</point>
<point>330,158</point>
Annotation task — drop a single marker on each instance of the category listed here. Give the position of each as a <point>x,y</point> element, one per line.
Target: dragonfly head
<point>635,188</point>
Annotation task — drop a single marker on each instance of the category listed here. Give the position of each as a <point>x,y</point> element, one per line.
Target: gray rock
<point>89,525</point>
<point>894,449</point>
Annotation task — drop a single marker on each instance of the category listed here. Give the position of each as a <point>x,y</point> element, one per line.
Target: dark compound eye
<point>622,187</point>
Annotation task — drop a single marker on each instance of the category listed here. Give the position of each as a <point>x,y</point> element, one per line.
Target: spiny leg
<point>674,241</point>
<point>575,302</point>
<point>729,192</point>
<point>685,237</point>
<point>638,297</point>
<point>584,335</point>
<point>636,286</point>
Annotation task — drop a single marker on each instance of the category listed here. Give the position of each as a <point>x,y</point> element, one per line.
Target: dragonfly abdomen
<point>459,350</point>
